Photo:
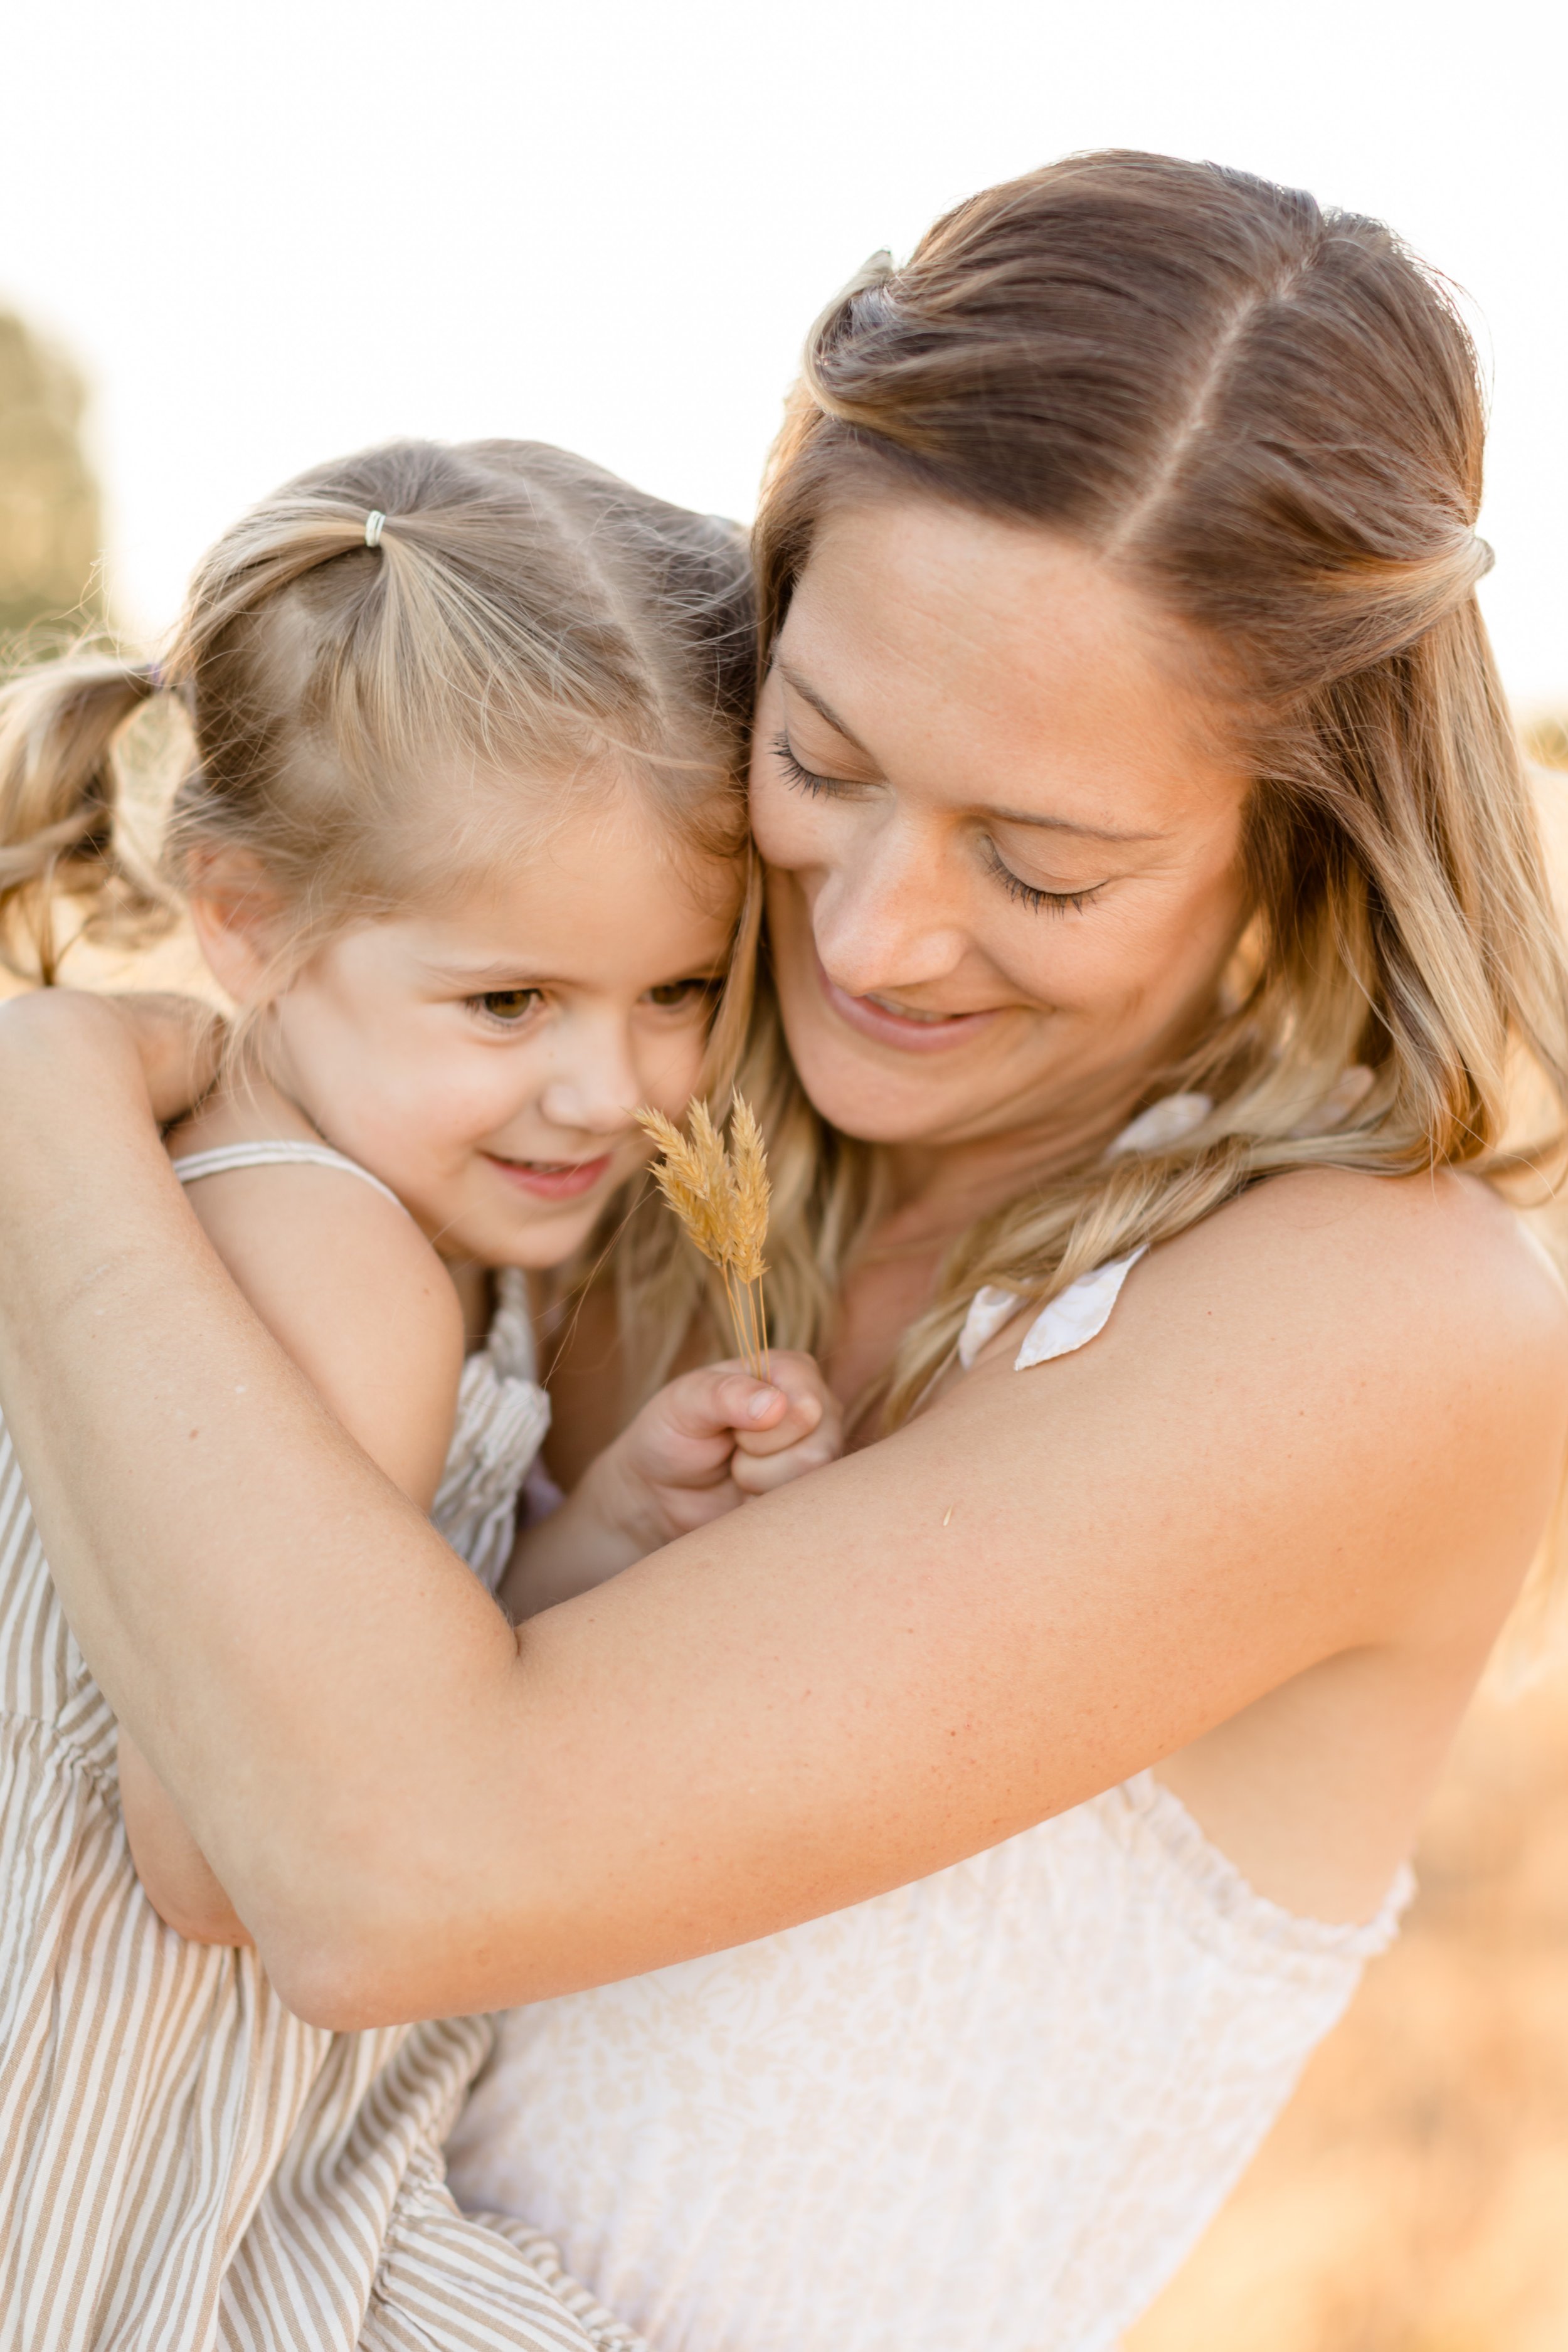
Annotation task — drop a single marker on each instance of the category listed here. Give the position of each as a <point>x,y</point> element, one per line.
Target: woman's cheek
<point>789,829</point>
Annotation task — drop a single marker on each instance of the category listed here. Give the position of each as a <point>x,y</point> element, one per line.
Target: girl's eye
<point>684,995</point>
<point>508,1005</point>
<point>805,780</point>
<point>1058,902</point>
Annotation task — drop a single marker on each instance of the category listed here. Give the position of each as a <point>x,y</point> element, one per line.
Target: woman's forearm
<point>905,1657</point>
<point>221,1597</point>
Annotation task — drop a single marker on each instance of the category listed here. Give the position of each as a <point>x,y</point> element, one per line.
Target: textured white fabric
<point>502,1417</point>
<point>987,2113</point>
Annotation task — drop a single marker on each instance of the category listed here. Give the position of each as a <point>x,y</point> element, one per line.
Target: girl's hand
<point>712,1438</point>
<point>700,1448</point>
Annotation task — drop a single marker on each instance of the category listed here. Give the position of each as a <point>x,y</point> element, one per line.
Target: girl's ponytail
<point>59,791</point>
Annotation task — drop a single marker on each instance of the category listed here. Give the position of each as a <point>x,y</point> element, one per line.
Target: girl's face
<point>1002,828</point>
<point>486,1061</point>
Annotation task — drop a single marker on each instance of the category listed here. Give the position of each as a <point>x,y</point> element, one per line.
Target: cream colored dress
<point>184,2165</point>
<point>989,2111</point>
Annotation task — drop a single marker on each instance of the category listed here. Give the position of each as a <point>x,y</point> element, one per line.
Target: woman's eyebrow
<point>1068,825</point>
<point>824,709</point>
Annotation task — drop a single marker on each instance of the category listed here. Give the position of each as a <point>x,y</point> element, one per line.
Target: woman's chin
<point>876,1096</point>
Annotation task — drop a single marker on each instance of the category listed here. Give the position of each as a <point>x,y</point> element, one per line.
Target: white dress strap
<point>1083,1310</point>
<point>1071,1321</point>
<point>273,1152</point>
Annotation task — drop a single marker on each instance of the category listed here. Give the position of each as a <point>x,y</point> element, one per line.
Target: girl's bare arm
<point>1311,1450</point>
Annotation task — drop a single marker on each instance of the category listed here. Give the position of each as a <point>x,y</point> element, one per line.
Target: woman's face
<point>1003,827</point>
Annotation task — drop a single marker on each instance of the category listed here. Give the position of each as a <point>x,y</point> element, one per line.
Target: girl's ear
<point>238,918</point>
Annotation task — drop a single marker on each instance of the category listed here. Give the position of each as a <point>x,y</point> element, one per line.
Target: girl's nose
<point>594,1088</point>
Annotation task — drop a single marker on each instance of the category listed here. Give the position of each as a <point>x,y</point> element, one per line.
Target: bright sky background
<point>272,233</point>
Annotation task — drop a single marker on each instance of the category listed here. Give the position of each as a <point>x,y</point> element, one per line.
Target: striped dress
<point>184,2164</point>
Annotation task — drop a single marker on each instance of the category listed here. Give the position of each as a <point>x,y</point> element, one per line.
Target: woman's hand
<point>696,1450</point>
<point>173,1040</point>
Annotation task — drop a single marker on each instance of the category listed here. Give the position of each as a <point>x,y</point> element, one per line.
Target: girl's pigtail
<point>59,791</point>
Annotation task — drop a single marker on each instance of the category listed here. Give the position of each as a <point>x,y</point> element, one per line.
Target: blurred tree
<point>1546,741</point>
<point>49,515</point>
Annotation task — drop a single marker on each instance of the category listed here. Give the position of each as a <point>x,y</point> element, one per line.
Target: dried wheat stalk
<point>721,1197</point>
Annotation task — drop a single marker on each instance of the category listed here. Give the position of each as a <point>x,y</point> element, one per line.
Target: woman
<point>1151,870</point>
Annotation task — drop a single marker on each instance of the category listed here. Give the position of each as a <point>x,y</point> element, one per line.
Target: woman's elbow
<point>323,1981</point>
<point>351,1969</point>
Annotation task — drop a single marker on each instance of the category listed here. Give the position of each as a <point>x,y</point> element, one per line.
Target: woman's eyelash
<point>805,780</point>
<point>1059,902</point>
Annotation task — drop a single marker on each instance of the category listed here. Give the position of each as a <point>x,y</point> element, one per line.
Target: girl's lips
<point>936,1033</point>
<point>552,1180</point>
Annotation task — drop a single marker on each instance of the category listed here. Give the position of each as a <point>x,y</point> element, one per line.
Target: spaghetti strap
<point>275,1153</point>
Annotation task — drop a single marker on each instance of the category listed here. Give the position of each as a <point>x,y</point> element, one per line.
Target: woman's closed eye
<point>1038,897</point>
<point>1035,895</point>
<point>804,779</point>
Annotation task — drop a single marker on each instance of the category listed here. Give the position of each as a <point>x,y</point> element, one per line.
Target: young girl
<point>464,844</point>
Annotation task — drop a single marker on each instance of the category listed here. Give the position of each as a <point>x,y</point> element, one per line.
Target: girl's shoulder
<point>341,1274</point>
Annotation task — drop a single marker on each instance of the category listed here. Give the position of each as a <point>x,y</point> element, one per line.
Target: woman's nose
<point>890,914</point>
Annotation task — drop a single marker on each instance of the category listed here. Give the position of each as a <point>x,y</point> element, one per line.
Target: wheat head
<point>721,1197</point>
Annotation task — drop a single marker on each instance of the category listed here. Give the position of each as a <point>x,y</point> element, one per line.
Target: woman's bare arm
<point>1323,1426</point>
<point>348,1286</point>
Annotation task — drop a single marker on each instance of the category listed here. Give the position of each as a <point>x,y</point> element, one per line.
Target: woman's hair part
<point>1265,416</point>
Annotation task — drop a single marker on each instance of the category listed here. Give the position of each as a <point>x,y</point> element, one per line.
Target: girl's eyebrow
<point>486,978</point>
<point>797,685</point>
<point>488,975</point>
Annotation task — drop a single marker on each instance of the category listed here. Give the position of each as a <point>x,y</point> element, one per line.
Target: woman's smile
<point>909,1027</point>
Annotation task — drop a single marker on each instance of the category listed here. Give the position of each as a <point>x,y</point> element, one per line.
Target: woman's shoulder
<point>1437,1259</point>
<point>1364,1371</point>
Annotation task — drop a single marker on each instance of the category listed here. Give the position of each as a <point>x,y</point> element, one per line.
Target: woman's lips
<point>552,1179</point>
<point>912,1033</point>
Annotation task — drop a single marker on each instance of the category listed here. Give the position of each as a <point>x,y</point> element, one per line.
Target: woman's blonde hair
<point>368,663</point>
<point>1269,418</point>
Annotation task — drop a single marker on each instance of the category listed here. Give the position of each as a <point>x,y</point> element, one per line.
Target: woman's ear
<point>238,918</point>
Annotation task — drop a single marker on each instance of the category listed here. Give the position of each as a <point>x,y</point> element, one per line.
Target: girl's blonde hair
<point>362,693</point>
<point>367,661</point>
<point>1269,418</point>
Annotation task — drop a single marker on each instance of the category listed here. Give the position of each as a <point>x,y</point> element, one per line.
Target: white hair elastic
<point>373,523</point>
